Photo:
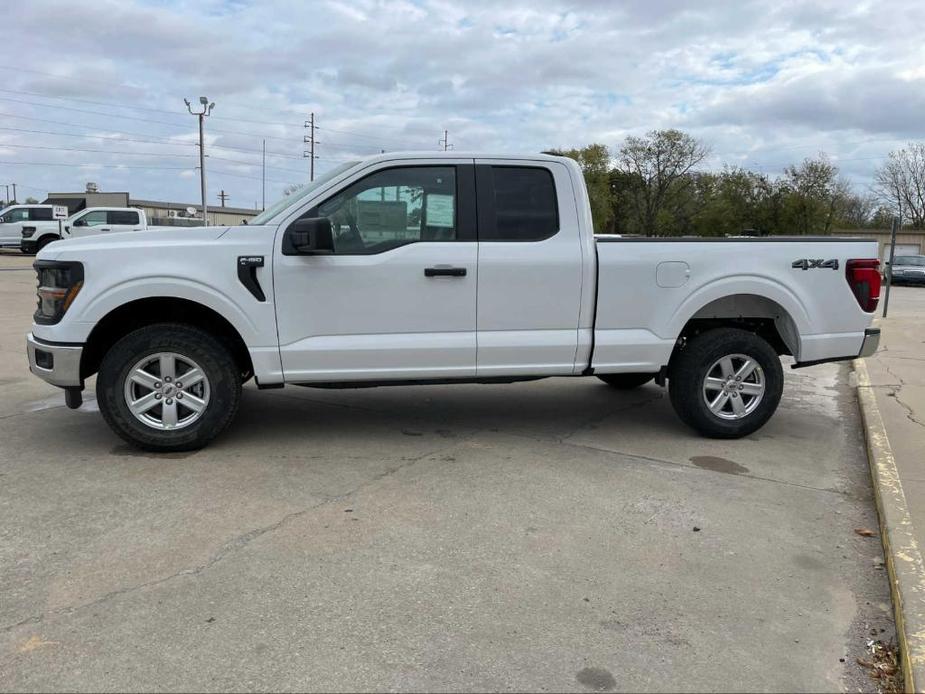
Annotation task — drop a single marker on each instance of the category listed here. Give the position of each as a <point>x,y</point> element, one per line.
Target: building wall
<point>175,213</point>
<point>906,237</point>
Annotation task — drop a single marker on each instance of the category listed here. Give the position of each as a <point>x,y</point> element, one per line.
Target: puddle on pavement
<point>717,464</point>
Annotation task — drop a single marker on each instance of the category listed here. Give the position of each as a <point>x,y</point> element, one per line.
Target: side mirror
<point>313,236</point>
<point>80,222</point>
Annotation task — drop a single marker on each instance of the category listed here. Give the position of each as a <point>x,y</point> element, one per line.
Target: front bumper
<point>57,363</point>
<point>871,342</point>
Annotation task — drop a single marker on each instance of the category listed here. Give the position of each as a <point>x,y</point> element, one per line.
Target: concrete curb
<point>901,552</point>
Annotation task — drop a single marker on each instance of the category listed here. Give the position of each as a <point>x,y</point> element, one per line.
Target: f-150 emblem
<point>813,263</point>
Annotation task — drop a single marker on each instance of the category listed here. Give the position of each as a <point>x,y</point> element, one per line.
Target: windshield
<point>289,200</point>
<point>918,260</point>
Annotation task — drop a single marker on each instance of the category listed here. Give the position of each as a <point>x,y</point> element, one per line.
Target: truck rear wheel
<point>626,381</point>
<point>725,383</point>
<point>168,387</point>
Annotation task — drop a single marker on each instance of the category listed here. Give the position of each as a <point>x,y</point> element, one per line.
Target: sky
<point>93,91</point>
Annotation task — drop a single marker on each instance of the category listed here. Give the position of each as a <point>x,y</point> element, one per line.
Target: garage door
<point>901,249</point>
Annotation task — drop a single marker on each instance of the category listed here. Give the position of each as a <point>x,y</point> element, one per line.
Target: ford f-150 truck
<point>92,220</point>
<point>426,268</point>
<point>15,217</point>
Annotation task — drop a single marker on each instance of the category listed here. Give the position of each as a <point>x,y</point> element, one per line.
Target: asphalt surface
<point>555,535</point>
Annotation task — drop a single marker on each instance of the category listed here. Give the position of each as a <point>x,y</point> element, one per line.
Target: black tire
<point>688,371</point>
<point>216,362</point>
<point>626,381</point>
<point>44,241</point>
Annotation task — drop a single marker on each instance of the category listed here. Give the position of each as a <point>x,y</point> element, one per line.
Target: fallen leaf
<point>865,532</point>
<point>33,643</point>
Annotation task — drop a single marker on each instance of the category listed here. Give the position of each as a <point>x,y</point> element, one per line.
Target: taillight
<point>864,279</point>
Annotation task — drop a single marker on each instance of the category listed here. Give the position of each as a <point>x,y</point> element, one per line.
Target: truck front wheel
<point>168,387</point>
<point>725,383</point>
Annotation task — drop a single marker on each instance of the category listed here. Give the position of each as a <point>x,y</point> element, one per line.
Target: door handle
<point>444,272</point>
<point>105,229</point>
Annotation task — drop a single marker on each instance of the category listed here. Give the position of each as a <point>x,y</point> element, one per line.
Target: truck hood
<point>149,239</point>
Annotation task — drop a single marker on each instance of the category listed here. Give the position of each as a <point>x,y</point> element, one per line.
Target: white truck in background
<point>34,236</point>
<point>14,217</point>
<point>438,268</point>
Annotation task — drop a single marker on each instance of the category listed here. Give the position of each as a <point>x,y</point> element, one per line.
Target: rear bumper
<point>868,347</point>
<point>871,342</point>
<point>57,363</point>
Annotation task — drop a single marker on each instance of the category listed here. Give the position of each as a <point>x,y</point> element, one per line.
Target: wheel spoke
<point>193,403</point>
<point>751,389</point>
<point>737,407</point>
<point>725,365</point>
<point>144,403</point>
<point>717,404</point>
<point>191,377</point>
<point>143,378</point>
<point>169,415</point>
<point>713,383</point>
<point>168,367</point>
<point>746,369</point>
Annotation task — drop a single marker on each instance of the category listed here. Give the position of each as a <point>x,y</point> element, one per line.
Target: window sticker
<point>439,210</point>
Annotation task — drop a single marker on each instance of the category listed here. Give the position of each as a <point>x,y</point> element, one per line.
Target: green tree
<point>594,161</point>
<point>655,172</point>
<point>813,196</point>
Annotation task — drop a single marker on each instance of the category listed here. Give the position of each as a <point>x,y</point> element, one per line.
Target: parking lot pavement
<point>555,535</point>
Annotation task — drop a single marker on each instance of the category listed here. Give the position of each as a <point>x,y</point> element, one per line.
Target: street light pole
<point>206,110</point>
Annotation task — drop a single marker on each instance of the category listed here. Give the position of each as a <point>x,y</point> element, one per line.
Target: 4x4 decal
<point>813,263</point>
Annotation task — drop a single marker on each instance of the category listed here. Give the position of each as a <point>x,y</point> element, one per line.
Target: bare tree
<point>900,183</point>
<point>654,165</point>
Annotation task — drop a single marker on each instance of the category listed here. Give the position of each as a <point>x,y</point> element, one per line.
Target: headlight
<point>58,285</point>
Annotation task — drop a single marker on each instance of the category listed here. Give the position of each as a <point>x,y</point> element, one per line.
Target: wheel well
<point>136,314</point>
<point>760,315</point>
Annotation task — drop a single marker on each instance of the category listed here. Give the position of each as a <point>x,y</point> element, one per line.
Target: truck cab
<point>15,217</point>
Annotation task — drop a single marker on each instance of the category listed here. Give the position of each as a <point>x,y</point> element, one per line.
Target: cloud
<point>765,84</point>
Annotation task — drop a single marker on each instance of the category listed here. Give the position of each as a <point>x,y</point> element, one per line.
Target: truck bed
<point>649,288</point>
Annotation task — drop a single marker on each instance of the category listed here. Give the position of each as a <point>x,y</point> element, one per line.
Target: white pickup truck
<point>15,217</point>
<point>88,222</point>
<point>425,268</point>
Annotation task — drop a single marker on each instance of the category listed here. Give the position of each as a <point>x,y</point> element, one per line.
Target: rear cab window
<point>516,203</point>
<point>123,217</point>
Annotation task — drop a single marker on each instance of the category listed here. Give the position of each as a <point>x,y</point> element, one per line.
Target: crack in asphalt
<point>894,393</point>
<point>229,547</point>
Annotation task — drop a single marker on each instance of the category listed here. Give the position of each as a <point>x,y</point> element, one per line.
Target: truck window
<point>19,214</point>
<point>391,208</point>
<point>40,214</point>
<point>97,218</point>
<point>123,217</point>
<point>516,203</point>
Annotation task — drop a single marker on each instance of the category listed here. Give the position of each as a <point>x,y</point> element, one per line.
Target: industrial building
<point>158,213</point>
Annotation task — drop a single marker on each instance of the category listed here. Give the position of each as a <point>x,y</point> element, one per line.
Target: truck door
<point>530,268</point>
<point>396,298</point>
<point>123,220</point>
<point>89,223</point>
<point>12,224</point>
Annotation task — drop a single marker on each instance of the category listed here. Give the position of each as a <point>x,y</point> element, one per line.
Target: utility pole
<point>222,196</point>
<point>14,193</point>
<point>310,140</point>
<point>263,197</point>
<point>206,110</point>
<point>7,198</point>
<point>445,141</point>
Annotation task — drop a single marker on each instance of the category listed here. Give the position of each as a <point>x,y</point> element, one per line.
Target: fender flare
<point>756,285</point>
